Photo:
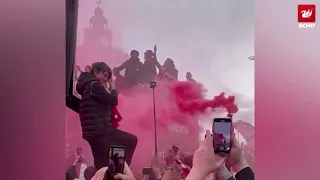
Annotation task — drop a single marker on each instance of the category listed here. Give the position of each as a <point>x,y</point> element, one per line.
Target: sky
<point>212,39</point>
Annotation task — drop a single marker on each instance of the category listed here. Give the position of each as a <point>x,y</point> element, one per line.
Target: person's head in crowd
<point>89,172</point>
<point>79,151</point>
<point>148,54</point>
<point>188,76</point>
<point>169,64</point>
<point>102,71</point>
<point>134,54</point>
<point>70,175</point>
<point>87,69</point>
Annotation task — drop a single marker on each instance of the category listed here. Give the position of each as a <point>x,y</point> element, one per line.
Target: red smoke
<point>189,98</point>
<point>176,103</point>
<point>177,107</point>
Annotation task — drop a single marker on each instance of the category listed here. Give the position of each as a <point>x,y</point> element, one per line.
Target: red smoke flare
<point>189,98</point>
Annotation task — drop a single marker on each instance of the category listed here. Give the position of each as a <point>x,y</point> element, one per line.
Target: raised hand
<point>78,68</point>
<point>204,159</point>
<point>155,48</point>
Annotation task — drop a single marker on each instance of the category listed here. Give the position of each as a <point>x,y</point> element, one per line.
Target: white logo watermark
<point>307,25</point>
<point>306,13</point>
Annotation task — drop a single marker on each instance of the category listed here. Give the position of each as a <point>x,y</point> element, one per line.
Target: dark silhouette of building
<point>98,42</point>
<point>98,32</point>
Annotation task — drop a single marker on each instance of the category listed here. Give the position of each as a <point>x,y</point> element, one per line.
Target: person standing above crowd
<point>150,65</point>
<point>132,69</point>
<point>168,71</point>
<point>97,115</point>
<point>189,77</point>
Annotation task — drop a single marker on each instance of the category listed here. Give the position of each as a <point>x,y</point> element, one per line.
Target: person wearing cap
<point>96,111</point>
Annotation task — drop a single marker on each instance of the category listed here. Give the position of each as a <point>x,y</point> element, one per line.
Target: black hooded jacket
<point>96,104</point>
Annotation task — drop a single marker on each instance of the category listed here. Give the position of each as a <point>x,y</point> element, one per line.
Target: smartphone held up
<point>116,161</point>
<point>222,131</point>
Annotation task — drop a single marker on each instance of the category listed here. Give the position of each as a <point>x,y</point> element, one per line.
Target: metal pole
<point>155,124</point>
<point>153,85</point>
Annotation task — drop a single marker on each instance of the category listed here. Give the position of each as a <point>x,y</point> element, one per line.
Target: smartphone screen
<point>175,149</point>
<point>222,129</point>
<point>116,159</point>
<point>147,171</point>
<point>148,174</point>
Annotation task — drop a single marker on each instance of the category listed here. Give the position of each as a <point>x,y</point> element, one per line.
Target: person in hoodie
<point>96,114</point>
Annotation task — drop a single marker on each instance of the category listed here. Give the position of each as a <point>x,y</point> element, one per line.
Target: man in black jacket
<point>95,112</point>
<point>132,68</point>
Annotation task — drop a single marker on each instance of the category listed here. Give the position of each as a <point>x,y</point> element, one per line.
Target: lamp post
<point>153,85</point>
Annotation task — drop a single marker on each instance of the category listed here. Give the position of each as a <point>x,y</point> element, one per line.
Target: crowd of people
<point>203,164</point>
<point>137,72</point>
<point>99,99</point>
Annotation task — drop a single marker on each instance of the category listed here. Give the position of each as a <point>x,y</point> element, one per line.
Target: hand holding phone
<point>222,131</point>
<point>116,161</point>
